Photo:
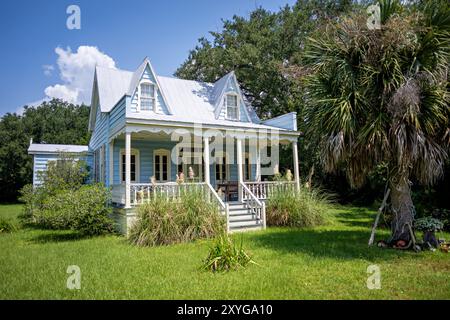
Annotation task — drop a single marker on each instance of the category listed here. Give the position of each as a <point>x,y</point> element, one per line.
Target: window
<point>232,106</point>
<point>161,165</point>
<point>221,169</point>
<point>134,165</point>
<point>147,97</point>
<point>191,158</point>
<point>247,167</point>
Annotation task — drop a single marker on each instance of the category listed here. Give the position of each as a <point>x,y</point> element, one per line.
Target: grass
<point>327,262</point>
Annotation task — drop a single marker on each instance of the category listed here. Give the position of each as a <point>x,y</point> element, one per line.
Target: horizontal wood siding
<point>100,133</point>
<point>41,161</point>
<point>117,117</point>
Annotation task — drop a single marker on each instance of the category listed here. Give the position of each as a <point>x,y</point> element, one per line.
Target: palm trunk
<point>403,210</point>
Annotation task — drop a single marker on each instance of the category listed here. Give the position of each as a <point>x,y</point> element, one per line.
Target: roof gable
<point>229,83</point>
<point>137,77</point>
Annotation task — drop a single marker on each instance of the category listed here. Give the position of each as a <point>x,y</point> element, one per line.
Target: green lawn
<point>321,263</point>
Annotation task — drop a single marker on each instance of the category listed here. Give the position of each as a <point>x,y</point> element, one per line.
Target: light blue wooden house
<point>154,134</point>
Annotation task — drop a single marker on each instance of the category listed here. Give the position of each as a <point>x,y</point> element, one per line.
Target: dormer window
<point>231,101</point>
<point>147,96</point>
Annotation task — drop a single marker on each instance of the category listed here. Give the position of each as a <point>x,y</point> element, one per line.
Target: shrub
<point>306,208</point>
<point>33,199</point>
<point>7,226</point>
<point>63,201</point>
<point>162,222</point>
<point>66,173</point>
<point>226,255</point>
<point>85,210</point>
<point>428,224</point>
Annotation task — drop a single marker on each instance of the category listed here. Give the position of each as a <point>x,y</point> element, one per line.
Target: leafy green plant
<point>163,222</point>
<point>64,201</point>
<point>85,210</point>
<point>7,226</point>
<point>305,208</point>
<point>428,224</point>
<point>67,173</point>
<point>226,255</point>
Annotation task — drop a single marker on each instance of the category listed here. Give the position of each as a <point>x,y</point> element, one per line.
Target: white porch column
<point>296,169</point>
<point>239,165</point>
<point>206,158</point>
<point>258,165</point>
<point>127,170</point>
<point>111,163</point>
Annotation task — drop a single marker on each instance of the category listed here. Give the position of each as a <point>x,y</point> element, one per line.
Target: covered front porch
<point>144,162</point>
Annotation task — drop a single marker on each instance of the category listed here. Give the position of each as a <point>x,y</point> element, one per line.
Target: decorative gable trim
<point>136,79</point>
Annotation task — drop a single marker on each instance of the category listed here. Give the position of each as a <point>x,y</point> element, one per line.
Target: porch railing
<point>257,207</point>
<point>264,189</point>
<point>144,192</point>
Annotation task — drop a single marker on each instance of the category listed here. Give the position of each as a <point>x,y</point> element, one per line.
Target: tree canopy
<point>380,97</point>
<point>54,121</point>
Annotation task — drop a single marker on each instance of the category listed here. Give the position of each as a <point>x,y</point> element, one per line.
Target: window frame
<point>162,152</point>
<point>228,94</point>
<point>134,152</point>
<point>222,155</point>
<point>246,155</point>
<point>150,83</point>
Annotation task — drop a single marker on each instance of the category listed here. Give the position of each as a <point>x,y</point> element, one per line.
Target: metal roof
<point>187,99</point>
<point>56,148</point>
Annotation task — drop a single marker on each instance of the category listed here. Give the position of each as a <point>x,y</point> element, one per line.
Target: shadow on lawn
<point>58,236</point>
<point>356,217</point>
<point>338,244</point>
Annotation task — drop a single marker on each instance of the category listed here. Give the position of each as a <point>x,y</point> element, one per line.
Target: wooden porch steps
<point>241,218</point>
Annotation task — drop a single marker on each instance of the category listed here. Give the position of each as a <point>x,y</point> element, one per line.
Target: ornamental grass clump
<point>305,208</point>
<point>163,222</point>
<point>226,255</point>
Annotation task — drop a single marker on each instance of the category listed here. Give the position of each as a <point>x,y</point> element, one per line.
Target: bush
<point>306,208</point>
<point>225,255</point>
<point>162,222</point>
<point>428,224</point>
<point>7,226</point>
<point>63,201</point>
<point>66,173</point>
<point>85,210</point>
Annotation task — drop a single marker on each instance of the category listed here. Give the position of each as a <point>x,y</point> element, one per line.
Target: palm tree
<point>380,97</point>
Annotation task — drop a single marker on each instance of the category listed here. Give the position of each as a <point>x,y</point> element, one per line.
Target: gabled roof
<point>56,148</point>
<point>112,84</point>
<point>185,99</point>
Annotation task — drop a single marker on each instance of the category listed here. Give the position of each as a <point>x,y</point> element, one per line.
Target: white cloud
<point>36,103</point>
<point>48,69</point>
<point>76,70</point>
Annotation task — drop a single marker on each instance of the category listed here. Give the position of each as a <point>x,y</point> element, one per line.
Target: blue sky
<point>35,59</point>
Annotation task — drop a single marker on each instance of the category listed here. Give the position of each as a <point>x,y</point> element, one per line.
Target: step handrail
<point>216,196</point>
<point>257,206</point>
<point>222,204</point>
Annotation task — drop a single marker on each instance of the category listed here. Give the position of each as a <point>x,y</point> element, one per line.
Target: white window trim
<point>221,155</point>
<point>238,102</point>
<point>155,91</point>
<point>162,152</point>
<point>134,152</point>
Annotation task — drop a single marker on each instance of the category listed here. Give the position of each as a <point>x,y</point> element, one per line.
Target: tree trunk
<point>402,209</point>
